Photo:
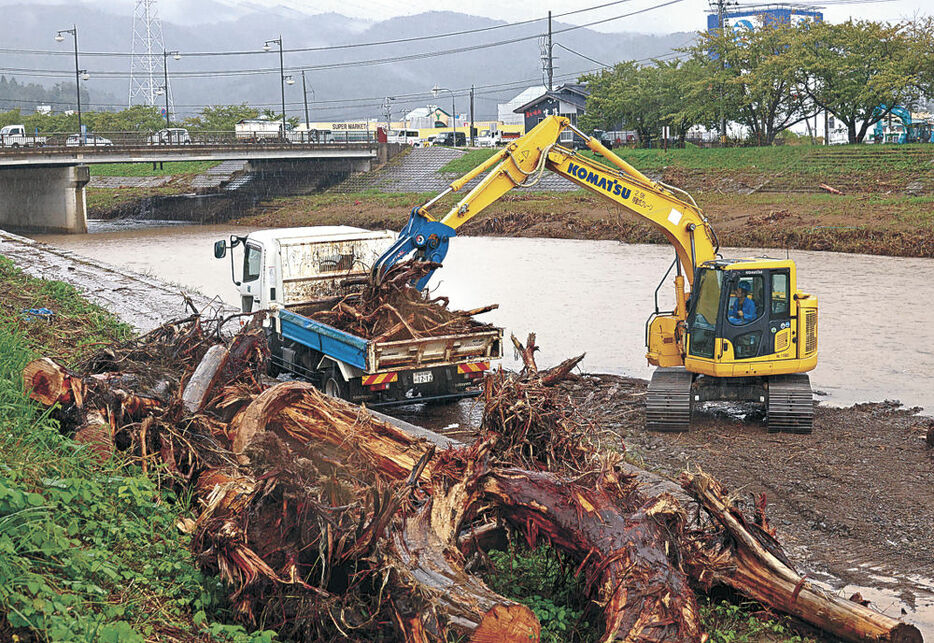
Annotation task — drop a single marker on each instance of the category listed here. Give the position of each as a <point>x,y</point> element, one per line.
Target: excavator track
<point>790,405</point>
<point>669,401</point>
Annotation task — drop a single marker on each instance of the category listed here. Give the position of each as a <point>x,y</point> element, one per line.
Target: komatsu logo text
<point>611,186</point>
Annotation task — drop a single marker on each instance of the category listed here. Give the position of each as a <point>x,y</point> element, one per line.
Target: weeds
<point>87,552</point>
<point>544,580</point>
<point>727,622</point>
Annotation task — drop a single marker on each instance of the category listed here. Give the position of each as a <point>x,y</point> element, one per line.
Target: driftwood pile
<point>390,308</point>
<point>327,523</point>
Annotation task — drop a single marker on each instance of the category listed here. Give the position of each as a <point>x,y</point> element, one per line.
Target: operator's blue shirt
<point>744,305</point>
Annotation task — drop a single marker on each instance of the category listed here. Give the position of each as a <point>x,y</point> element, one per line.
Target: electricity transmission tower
<point>147,63</point>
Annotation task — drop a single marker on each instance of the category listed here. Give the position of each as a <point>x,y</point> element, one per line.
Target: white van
<point>405,136</point>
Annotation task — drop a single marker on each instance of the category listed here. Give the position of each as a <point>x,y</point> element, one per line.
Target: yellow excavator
<point>743,332</point>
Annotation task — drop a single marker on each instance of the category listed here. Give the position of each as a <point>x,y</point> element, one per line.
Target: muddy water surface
<point>876,342</point>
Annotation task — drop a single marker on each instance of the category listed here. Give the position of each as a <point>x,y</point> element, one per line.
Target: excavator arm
<point>523,162</point>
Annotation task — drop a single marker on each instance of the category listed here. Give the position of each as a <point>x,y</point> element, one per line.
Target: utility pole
<point>472,130</point>
<point>165,84</point>
<point>305,95</point>
<point>720,25</point>
<point>826,129</point>
<point>551,65</point>
<point>387,105</point>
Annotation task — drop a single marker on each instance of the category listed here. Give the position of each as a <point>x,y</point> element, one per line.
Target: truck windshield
<point>703,319</point>
<point>252,262</point>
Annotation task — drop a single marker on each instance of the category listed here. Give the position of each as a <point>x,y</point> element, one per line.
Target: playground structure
<point>914,128</point>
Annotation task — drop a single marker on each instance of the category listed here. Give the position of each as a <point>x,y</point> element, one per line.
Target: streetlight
<point>165,77</point>
<point>434,92</point>
<point>79,74</point>
<point>282,79</point>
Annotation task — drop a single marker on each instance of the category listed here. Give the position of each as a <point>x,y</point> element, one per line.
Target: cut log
<point>205,378</point>
<point>46,382</point>
<point>451,599</point>
<point>750,560</point>
<point>561,372</point>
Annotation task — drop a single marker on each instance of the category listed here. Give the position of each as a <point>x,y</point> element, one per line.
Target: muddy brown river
<point>594,296</point>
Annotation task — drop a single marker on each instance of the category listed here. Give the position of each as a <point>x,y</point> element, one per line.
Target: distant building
<point>427,117</point>
<point>44,109</point>
<point>568,100</point>
<point>506,112</point>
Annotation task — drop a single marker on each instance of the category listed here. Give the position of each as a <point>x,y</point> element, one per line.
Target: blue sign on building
<point>752,18</point>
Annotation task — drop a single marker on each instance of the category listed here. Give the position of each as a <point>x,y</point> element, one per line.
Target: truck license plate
<point>421,377</point>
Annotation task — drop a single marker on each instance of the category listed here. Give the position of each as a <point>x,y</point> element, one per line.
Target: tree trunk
<point>624,557</point>
<point>47,382</point>
<point>747,558</point>
<point>205,378</point>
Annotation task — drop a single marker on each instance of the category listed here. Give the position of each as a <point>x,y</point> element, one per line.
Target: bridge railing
<point>179,136</point>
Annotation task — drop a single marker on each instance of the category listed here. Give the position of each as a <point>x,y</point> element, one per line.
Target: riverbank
<point>901,226</point>
<point>764,197</point>
<point>141,301</point>
<point>90,546</point>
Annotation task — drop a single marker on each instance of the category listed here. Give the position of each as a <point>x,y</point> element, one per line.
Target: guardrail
<point>176,137</point>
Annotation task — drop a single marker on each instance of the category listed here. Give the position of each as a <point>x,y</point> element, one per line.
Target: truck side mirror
<point>220,249</point>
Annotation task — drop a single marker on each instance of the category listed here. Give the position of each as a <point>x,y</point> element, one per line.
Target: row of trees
<point>138,118</point>
<point>771,78</point>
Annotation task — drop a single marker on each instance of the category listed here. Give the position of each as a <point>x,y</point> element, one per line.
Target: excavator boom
<point>743,332</point>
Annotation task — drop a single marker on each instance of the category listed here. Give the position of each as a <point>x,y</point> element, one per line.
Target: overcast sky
<point>685,15</point>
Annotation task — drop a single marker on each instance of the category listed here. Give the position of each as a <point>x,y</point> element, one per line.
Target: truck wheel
<point>334,384</point>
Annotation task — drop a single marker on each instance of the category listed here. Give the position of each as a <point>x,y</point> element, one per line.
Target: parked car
<point>170,136</point>
<point>454,139</point>
<point>92,140</point>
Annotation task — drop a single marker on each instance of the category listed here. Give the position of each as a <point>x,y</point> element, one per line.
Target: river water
<point>876,341</point>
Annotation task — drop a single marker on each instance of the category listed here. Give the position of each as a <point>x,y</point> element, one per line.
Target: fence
<point>183,137</point>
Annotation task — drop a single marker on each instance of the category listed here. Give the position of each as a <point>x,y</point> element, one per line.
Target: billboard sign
<point>754,18</point>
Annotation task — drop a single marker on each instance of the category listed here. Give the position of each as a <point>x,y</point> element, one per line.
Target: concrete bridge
<point>43,189</point>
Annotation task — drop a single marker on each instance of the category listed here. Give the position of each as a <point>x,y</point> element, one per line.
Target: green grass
<point>803,159</point>
<point>727,622</point>
<point>88,552</point>
<point>146,169</point>
<point>105,198</point>
<point>543,579</point>
<point>468,161</point>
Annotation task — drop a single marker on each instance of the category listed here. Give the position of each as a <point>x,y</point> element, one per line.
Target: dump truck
<point>292,273</point>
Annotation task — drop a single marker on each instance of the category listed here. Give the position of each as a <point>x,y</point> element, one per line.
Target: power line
<point>249,52</point>
<point>582,55</point>
<point>358,63</point>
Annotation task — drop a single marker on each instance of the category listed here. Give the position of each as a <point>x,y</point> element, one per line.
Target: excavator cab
<point>749,336</point>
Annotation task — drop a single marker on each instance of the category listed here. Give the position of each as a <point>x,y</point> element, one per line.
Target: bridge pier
<point>44,199</point>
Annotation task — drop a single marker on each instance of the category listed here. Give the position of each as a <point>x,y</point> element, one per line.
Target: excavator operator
<point>742,307</point>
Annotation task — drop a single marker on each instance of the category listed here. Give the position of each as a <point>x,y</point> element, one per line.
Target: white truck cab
<point>290,266</point>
